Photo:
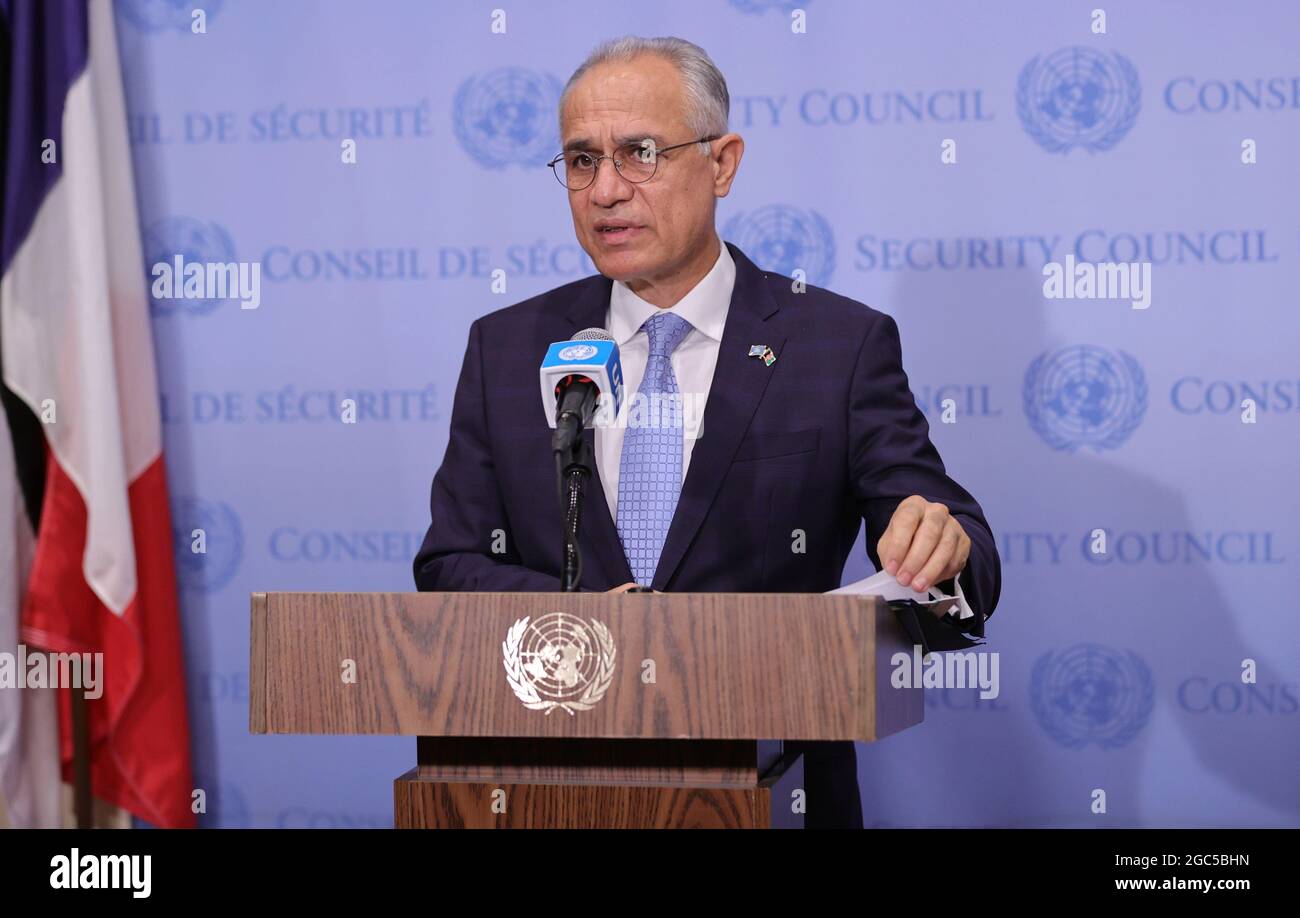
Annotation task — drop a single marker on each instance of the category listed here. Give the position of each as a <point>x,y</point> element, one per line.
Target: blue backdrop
<point>1120,671</point>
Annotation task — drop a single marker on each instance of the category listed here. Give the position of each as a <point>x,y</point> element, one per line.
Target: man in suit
<point>808,424</point>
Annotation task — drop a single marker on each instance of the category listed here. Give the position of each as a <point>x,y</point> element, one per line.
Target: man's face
<point>647,231</point>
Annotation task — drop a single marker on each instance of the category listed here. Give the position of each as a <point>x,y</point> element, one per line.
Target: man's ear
<point>727,151</point>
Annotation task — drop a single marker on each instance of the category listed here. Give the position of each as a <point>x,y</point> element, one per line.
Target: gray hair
<point>708,104</point>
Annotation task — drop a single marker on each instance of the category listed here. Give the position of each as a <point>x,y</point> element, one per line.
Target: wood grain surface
<point>726,666</point>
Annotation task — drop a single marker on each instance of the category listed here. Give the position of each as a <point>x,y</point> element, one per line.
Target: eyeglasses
<point>636,162</point>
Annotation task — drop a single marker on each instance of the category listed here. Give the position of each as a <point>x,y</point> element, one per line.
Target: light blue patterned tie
<point>650,469</point>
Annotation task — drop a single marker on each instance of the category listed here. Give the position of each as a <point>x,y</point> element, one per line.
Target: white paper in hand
<point>884,585</point>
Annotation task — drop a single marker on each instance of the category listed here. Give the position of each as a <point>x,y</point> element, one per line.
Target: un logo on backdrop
<point>1078,97</point>
<point>197,243</point>
<point>223,543</point>
<point>1084,396</point>
<point>1091,694</point>
<point>161,15</point>
<point>225,804</point>
<point>508,116</point>
<point>762,6</point>
<point>781,238</point>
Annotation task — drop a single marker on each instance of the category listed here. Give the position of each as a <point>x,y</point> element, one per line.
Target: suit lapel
<point>738,385</point>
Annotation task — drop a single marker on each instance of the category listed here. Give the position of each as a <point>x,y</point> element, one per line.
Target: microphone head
<point>591,353</point>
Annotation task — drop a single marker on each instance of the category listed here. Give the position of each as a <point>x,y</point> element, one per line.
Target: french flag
<point>84,478</point>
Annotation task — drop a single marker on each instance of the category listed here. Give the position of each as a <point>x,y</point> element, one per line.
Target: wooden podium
<point>583,709</point>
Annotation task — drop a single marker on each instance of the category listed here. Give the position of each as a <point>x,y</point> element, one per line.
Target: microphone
<point>581,383</point>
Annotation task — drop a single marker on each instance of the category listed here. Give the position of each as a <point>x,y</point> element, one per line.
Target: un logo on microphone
<point>1091,694</point>
<point>163,15</point>
<point>783,239</point>
<point>209,543</point>
<point>1084,396</point>
<point>578,352</point>
<point>1077,97</point>
<point>508,116</point>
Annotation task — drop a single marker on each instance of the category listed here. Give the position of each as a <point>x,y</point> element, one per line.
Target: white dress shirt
<point>694,360</point>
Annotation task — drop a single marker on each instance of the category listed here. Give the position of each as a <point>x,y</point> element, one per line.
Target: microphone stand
<point>573,468</point>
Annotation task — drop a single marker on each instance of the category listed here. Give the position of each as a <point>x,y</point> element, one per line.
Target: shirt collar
<point>705,307</point>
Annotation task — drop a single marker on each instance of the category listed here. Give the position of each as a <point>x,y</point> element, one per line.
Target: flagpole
<point>81,758</point>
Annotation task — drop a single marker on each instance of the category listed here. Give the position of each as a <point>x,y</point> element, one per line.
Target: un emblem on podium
<point>1078,97</point>
<point>558,661</point>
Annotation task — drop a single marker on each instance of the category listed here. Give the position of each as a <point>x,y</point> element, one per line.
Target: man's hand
<point>923,544</point>
<point>621,589</point>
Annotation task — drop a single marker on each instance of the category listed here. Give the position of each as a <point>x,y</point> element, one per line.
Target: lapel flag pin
<point>756,350</point>
<point>769,358</point>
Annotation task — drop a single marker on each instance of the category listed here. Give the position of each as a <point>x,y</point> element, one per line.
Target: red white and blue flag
<point>85,473</point>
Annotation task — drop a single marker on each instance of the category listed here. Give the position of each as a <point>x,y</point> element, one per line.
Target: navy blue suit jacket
<point>826,437</point>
